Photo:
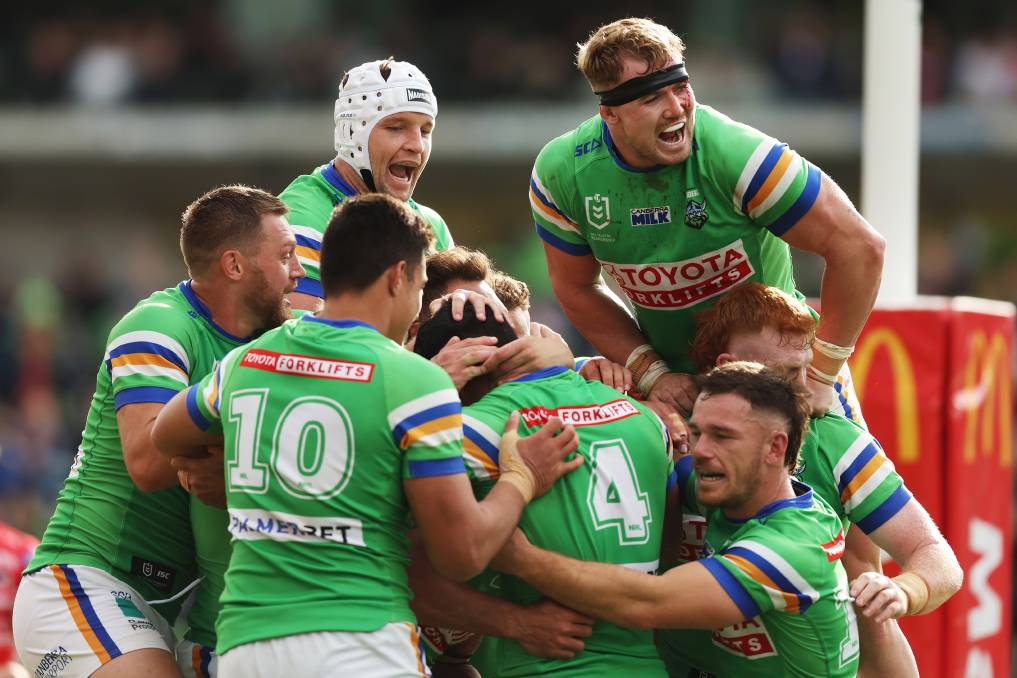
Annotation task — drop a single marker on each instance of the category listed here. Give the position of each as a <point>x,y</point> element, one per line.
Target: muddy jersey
<point>311,199</point>
<point>675,237</point>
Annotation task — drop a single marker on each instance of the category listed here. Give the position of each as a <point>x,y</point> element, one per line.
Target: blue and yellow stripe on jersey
<point>146,367</point>
<point>84,615</point>
<point>480,448</point>
<point>784,586</point>
<point>431,421</point>
<point>862,471</point>
<point>544,207</point>
<point>772,171</point>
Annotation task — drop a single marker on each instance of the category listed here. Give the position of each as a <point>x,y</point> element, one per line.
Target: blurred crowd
<point>253,51</point>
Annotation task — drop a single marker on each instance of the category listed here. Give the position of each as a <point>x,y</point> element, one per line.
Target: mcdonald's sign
<point>902,383</point>
<point>986,398</point>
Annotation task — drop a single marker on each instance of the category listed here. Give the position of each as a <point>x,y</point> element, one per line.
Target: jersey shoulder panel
<point>553,191</point>
<point>767,181</point>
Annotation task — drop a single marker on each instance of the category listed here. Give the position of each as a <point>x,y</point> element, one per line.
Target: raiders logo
<point>695,214</point>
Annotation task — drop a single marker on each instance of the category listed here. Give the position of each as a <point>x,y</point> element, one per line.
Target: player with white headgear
<point>384,117</point>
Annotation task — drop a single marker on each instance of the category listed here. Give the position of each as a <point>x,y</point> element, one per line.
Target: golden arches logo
<point>905,391</point>
<point>987,391</point>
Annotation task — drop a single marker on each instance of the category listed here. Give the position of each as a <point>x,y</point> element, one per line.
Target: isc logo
<point>592,145</point>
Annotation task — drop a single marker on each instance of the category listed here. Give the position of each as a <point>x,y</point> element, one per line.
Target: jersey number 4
<point>312,450</point>
<point>614,497</point>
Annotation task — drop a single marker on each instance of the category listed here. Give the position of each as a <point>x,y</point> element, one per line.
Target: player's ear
<point>395,276</point>
<point>608,114</point>
<point>777,449</point>
<point>723,359</point>
<point>231,263</point>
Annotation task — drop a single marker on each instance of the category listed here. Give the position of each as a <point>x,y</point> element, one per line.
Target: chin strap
<point>369,180</point>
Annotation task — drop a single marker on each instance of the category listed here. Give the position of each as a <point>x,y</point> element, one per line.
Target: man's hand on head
<point>543,348</point>
<point>479,302</point>
<point>464,359</point>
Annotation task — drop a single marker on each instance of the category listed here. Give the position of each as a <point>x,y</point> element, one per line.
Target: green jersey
<point>102,519</point>
<point>609,510</point>
<point>212,555</point>
<point>311,199</point>
<point>846,466</point>
<point>323,421</point>
<point>675,237</point>
<point>848,469</point>
<point>782,568</point>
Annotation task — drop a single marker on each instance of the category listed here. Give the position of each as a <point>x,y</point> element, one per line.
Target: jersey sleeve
<point>871,490</point>
<point>768,181</point>
<point>483,423</point>
<point>148,356</point>
<point>552,199</point>
<point>308,218</point>
<point>204,398</point>
<point>442,235</point>
<point>759,579</point>
<point>425,419</point>
<point>685,479</point>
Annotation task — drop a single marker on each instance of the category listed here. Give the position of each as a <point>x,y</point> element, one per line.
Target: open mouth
<point>674,134</point>
<point>709,476</point>
<point>402,172</point>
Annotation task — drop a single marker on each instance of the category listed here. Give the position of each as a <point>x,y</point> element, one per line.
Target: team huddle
<point>340,447</point>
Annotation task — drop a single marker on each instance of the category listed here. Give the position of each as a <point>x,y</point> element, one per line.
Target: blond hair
<point>600,57</point>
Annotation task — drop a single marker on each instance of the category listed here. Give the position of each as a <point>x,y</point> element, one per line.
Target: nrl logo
<point>695,214</point>
<point>598,211</point>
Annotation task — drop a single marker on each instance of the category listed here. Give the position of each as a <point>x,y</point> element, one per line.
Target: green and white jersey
<point>102,519</point>
<point>609,510</point>
<point>311,199</point>
<point>846,466</point>
<point>675,237</point>
<point>323,421</point>
<point>212,553</point>
<point>782,568</point>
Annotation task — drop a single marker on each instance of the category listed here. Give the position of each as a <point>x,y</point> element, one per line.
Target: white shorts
<point>71,619</point>
<point>197,661</point>
<point>393,651</point>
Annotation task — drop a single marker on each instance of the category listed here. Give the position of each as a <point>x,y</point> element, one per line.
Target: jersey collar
<point>343,324</point>
<point>542,374</point>
<point>803,499</point>
<point>336,181</point>
<point>204,312</point>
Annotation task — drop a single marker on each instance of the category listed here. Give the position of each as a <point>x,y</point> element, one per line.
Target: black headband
<point>632,89</point>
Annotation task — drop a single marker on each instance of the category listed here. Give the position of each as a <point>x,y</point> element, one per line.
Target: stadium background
<point>113,117</point>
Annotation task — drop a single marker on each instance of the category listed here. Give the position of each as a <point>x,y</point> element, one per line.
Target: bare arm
<point>147,468</point>
<point>176,435</point>
<point>853,252</point>
<point>915,543</point>
<point>481,528</point>
<point>544,629</point>
<point>687,596</point>
<point>591,306</point>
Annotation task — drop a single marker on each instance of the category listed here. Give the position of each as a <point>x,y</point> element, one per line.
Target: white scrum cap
<point>366,96</point>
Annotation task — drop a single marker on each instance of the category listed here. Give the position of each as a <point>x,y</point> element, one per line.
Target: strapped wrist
<point>831,350</point>
<point>916,590</point>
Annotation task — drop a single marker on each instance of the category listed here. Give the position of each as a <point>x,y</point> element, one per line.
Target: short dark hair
<point>228,217</point>
<point>457,263</point>
<point>765,390</point>
<point>366,234</point>
<point>436,332</point>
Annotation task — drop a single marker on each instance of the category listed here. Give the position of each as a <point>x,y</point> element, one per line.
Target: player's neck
<point>776,489</point>
<point>350,175</point>
<point>369,307</point>
<point>226,309</point>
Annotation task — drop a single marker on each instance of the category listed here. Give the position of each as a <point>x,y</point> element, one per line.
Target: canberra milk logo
<point>598,211</point>
<point>417,95</point>
<point>649,216</point>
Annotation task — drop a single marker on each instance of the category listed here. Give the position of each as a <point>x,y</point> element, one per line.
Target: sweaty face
<point>399,146</point>
<point>728,451</point>
<point>788,354</point>
<point>655,129</point>
<point>274,273</point>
